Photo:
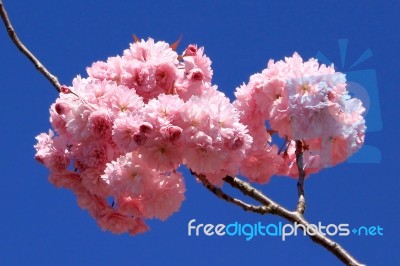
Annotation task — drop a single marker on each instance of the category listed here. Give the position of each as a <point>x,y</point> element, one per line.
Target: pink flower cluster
<point>122,133</point>
<point>301,101</point>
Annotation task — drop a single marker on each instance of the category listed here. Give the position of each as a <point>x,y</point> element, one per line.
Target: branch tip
<point>13,36</point>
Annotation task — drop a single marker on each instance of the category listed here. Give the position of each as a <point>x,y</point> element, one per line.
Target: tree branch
<point>39,66</point>
<point>294,217</point>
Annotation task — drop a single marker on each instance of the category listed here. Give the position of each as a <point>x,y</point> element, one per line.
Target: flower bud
<point>190,51</point>
<point>61,108</point>
<point>171,133</point>
<point>146,128</point>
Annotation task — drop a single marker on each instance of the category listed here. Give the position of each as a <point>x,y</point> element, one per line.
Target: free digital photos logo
<point>281,230</point>
<point>362,84</point>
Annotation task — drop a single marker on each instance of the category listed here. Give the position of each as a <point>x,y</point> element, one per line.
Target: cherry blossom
<point>121,134</point>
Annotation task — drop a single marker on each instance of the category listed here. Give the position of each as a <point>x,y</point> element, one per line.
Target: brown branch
<point>294,217</point>
<point>222,195</point>
<point>301,202</point>
<point>39,66</point>
<point>248,190</point>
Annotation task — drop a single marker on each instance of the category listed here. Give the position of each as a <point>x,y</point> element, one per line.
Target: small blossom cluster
<point>121,134</point>
<point>302,101</point>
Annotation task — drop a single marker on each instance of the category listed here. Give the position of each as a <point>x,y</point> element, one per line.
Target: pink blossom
<point>164,154</point>
<point>51,151</point>
<point>110,70</point>
<point>202,154</point>
<point>130,206</point>
<point>92,181</point>
<point>165,76</point>
<point>191,50</point>
<point>200,62</point>
<point>100,125</point>
<point>98,93</point>
<point>171,133</point>
<point>118,223</point>
<point>259,165</point>
<point>93,154</point>
<point>77,121</point>
<point>127,175</point>
<point>215,141</point>
<point>164,196</point>
<point>150,51</point>
<point>124,100</point>
<point>66,179</point>
<point>142,78</point>
<point>94,204</point>
<point>163,110</point>
<point>126,132</point>
<point>139,228</point>
<point>58,121</point>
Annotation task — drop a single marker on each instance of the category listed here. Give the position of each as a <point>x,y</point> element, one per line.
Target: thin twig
<point>39,66</point>
<point>220,194</point>
<point>248,190</point>
<point>301,202</point>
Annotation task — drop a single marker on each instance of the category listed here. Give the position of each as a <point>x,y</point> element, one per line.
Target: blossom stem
<point>284,146</point>
<point>301,202</point>
<point>13,35</point>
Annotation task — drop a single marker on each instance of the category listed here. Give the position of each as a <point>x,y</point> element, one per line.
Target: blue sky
<point>42,225</point>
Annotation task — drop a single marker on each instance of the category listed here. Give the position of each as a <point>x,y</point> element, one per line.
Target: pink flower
<point>195,74</point>
<point>150,51</point>
<point>51,151</point>
<point>171,133</point>
<point>259,165</point>
<point>77,121</point>
<point>98,93</point>
<point>139,228</point>
<point>130,206</point>
<point>127,175</point>
<point>100,125</point>
<point>164,196</point>
<point>202,154</point>
<point>92,181</point>
<point>163,110</point>
<point>126,132</point>
<point>214,139</point>
<point>200,62</point>
<point>93,154</point>
<point>65,179</point>
<point>164,154</point>
<point>124,100</point>
<point>165,76</point>
<point>191,50</point>
<point>141,77</point>
<point>91,202</point>
<point>118,223</point>
<point>110,70</point>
